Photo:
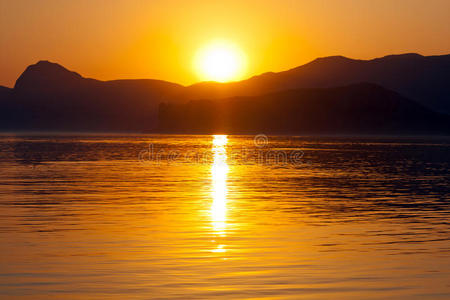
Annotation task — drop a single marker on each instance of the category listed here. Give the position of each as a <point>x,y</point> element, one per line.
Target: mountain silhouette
<point>362,108</point>
<point>45,77</point>
<point>48,96</point>
<point>425,79</point>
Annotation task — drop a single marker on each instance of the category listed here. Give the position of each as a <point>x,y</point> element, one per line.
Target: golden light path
<point>219,172</point>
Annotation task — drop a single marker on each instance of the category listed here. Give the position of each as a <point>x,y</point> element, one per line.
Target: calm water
<point>201,217</point>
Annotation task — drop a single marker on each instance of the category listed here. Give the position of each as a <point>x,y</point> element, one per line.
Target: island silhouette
<point>406,93</point>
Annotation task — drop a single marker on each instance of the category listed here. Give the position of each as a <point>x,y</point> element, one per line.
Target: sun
<point>220,60</point>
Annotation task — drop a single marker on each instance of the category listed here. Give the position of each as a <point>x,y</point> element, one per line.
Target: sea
<point>147,216</point>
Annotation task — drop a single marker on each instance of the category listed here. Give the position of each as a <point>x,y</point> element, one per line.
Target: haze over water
<point>106,217</point>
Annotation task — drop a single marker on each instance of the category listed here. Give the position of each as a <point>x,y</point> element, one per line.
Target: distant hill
<point>47,96</point>
<point>4,90</point>
<point>7,114</point>
<point>356,109</point>
<point>5,94</point>
<point>425,79</point>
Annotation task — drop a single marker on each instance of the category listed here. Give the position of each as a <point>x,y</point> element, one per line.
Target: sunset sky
<point>160,39</point>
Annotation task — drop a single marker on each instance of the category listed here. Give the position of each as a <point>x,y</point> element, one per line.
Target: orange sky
<point>158,39</point>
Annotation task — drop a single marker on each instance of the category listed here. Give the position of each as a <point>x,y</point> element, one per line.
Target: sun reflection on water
<point>219,172</point>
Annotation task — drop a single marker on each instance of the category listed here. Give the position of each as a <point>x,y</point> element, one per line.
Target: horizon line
<point>227,82</point>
